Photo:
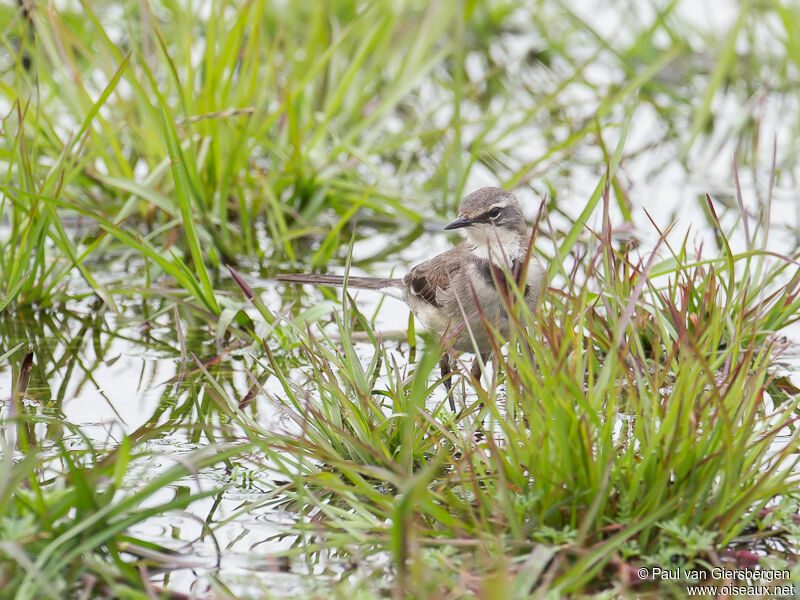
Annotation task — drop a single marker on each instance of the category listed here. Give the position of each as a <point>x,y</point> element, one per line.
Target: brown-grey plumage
<point>452,292</point>
<point>367,283</point>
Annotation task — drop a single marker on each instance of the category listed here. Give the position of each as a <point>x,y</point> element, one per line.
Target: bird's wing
<point>427,278</point>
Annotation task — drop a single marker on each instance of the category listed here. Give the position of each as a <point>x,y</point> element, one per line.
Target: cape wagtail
<point>455,292</point>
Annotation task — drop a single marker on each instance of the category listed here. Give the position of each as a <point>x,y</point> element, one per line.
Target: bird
<point>454,293</point>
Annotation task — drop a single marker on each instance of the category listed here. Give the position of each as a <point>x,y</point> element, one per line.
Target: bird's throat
<point>499,245</point>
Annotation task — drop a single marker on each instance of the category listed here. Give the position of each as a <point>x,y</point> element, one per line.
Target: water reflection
<point>111,375</point>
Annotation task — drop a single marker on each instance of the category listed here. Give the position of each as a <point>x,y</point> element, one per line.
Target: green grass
<point>640,418</point>
<point>159,162</point>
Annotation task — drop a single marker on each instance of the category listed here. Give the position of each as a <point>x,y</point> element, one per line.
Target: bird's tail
<point>368,283</point>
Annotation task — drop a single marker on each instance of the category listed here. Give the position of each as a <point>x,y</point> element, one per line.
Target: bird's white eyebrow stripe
<point>502,204</point>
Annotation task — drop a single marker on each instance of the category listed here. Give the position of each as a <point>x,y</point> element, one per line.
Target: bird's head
<point>493,223</point>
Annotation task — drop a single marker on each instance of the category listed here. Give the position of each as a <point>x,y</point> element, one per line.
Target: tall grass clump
<point>194,150</point>
<point>636,422</point>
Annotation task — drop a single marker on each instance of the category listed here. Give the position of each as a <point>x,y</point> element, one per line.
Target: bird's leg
<point>476,366</point>
<point>475,371</point>
<point>447,374</point>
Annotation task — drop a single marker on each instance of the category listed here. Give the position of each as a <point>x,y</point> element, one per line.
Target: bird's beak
<point>458,223</point>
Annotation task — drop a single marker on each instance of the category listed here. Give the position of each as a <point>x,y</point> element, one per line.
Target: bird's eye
<point>494,213</point>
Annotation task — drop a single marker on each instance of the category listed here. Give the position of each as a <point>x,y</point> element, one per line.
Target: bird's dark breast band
<point>495,277</point>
